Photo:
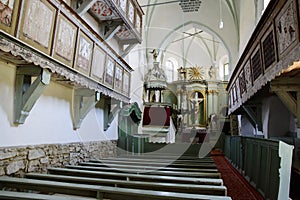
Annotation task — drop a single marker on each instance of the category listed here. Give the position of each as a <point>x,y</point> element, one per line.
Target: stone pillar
<point>178,99</point>
<point>215,102</point>
<point>209,103</point>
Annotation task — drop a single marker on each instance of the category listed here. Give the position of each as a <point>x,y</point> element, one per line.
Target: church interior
<point>150,99</point>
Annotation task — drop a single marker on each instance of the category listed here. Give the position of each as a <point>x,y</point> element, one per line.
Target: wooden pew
<point>34,196</point>
<point>157,186</point>
<point>134,177</point>
<point>124,166</point>
<point>163,156</point>
<point>155,160</point>
<point>154,172</point>
<point>178,165</point>
<point>99,192</point>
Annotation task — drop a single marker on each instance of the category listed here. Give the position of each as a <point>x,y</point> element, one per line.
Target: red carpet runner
<point>238,188</point>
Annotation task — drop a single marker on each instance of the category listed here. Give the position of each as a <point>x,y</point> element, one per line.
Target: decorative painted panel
<point>286,27</point>
<point>126,83</point>
<point>123,5</point>
<point>234,97</point>
<point>102,11</point>
<point>118,78</point>
<point>230,98</point>
<point>38,33</point>
<point>237,89</point>
<point>138,22</point>
<point>242,82</point>
<point>117,2</point>
<point>99,60</point>
<point>65,41</point>
<point>248,75</point>
<point>8,15</point>
<point>256,64</point>
<point>84,54</point>
<point>123,33</point>
<point>109,71</point>
<point>130,12</point>
<point>268,47</point>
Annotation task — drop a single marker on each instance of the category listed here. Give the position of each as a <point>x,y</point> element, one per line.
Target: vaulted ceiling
<point>196,38</point>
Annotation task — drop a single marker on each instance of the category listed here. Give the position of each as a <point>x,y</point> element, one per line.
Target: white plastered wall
<point>50,120</point>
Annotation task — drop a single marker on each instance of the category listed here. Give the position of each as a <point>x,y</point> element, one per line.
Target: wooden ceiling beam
<point>85,6</point>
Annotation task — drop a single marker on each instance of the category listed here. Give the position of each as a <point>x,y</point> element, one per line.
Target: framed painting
<point>8,15</point>
<point>126,83</point>
<point>286,27</point>
<point>98,64</point>
<point>248,75</point>
<point>123,5</point>
<point>65,41</point>
<point>118,78</point>
<point>37,24</point>
<point>130,13</point>
<point>84,54</point>
<point>234,94</point>
<point>138,22</point>
<point>117,2</point>
<point>229,99</point>
<point>109,71</point>
<point>237,89</point>
<point>242,82</point>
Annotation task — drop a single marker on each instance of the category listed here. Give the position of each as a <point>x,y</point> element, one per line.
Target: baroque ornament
<point>196,73</point>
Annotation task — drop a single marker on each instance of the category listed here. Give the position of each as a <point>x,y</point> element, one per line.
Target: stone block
<point>35,154</point>
<point>7,155</point>
<point>2,172</point>
<point>44,160</point>
<point>15,167</point>
<point>33,166</point>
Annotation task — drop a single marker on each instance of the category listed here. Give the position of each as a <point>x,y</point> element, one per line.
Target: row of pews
<point>126,177</point>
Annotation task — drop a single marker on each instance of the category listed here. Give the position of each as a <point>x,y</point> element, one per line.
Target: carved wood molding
<point>269,75</point>
<point>19,49</point>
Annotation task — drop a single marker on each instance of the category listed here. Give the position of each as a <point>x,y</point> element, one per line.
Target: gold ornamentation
<point>196,73</point>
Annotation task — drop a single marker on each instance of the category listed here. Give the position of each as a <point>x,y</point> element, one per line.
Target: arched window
<point>171,69</point>
<point>224,70</point>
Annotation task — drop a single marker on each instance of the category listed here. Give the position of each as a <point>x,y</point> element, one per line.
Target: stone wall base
<point>16,161</point>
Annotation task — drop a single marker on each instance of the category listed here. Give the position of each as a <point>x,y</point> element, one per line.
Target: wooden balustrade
<point>273,47</point>
<point>55,36</point>
<point>258,160</point>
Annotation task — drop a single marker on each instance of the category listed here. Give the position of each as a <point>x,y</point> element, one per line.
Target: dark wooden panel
<point>269,54</point>
<point>256,64</point>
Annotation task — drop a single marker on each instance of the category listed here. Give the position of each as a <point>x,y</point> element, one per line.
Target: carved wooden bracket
<point>126,46</point>
<point>85,6</point>
<point>284,87</point>
<point>27,91</point>
<point>83,101</point>
<point>110,28</point>
<point>254,114</point>
<point>112,107</point>
<point>288,100</point>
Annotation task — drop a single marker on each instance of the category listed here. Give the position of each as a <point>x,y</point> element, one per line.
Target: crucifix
<point>195,108</point>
